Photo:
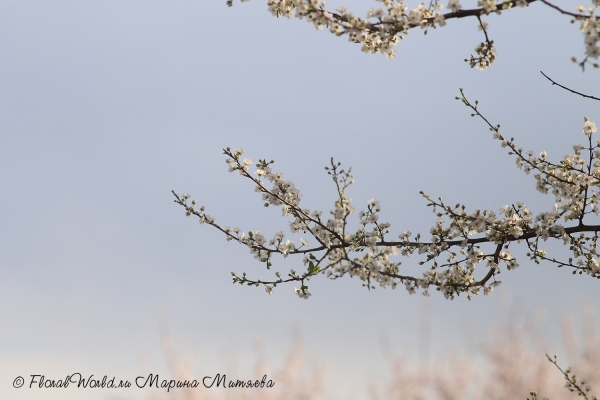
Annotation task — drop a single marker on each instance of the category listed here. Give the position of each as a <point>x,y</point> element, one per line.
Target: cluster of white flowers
<point>457,239</point>
<point>379,32</point>
<point>486,54</point>
<point>590,26</point>
<point>383,28</point>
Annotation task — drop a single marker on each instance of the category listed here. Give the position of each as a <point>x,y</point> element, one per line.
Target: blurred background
<point>105,107</point>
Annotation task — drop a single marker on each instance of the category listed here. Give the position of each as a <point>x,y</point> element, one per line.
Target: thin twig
<point>570,90</point>
<point>560,10</point>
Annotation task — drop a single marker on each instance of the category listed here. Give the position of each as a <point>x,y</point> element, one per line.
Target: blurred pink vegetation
<point>508,364</point>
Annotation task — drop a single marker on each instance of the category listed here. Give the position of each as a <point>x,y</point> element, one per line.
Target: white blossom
<point>589,127</point>
<point>454,5</point>
<point>303,294</point>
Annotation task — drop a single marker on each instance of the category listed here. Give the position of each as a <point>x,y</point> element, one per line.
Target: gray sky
<point>105,106</point>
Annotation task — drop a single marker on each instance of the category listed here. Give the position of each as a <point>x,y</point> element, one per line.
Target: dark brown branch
<point>526,235</point>
<point>473,12</point>
<point>566,88</point>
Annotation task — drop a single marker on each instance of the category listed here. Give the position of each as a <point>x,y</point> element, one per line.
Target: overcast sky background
<point>105,106</point>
